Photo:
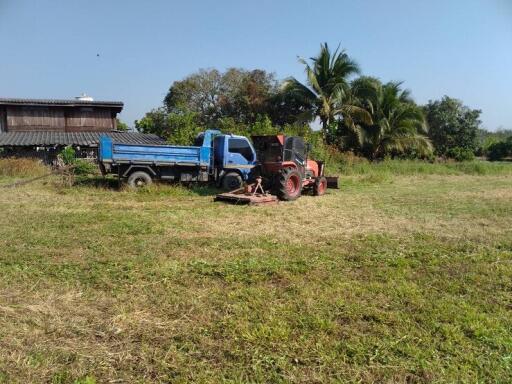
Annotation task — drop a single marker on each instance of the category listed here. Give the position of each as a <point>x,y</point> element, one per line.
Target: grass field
<point>404,275</point>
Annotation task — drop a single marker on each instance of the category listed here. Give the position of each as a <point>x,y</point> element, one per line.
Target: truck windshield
<point>198,141</point>
<point>242,147</point>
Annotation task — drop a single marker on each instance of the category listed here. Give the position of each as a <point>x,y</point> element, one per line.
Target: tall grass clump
<point>22,167</point>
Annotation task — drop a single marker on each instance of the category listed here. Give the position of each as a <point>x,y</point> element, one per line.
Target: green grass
<point>403,275</point>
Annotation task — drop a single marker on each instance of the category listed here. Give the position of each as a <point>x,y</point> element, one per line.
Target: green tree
<point>154,122</point>
<point>452,125</point>
<point>122,126</point>
<point>250,95</point>
<point>326,93</point>
<point>399,126</point>
<point>198,93</point>
<point>176,128</point>
<point>237,93</point>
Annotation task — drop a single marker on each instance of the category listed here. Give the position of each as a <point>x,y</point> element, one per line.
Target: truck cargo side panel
<point>129,153</point>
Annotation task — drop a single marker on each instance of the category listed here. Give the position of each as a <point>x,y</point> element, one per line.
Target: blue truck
<point>224,159</point>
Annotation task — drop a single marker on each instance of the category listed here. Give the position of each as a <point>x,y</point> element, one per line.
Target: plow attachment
<point>250,195</point>
<point>240,197</point>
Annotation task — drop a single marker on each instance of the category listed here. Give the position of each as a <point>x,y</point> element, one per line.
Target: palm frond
<point>295,87</point>
<point>356,113</point>
<point>402,143</point>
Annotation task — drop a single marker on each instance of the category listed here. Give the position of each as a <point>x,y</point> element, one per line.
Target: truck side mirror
<point>308,147</point>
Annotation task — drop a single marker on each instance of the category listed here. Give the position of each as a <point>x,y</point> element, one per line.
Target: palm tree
<point>398,126</point>
<point>327,91</point>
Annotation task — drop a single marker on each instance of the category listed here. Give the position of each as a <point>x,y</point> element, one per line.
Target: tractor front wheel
<point>289,185</point>
<point>320,186</point>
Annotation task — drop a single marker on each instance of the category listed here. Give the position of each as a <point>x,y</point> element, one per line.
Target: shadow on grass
<point>98,182</point>
<point>112,183</point>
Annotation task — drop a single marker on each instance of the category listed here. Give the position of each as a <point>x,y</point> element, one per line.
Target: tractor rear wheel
<point>289,184</point>
<point>231,181</point>
<point>320,186</point>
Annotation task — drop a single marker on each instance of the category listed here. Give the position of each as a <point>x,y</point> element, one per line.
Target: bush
<point>84,167</point>
<point>22,167</point>
<point>460,154</point>
<point>80,166</point>
<point>500,150</point>
<point>68,155</point>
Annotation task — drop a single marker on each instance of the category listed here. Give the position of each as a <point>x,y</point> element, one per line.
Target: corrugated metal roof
<point>86,139</point>
<point>56,102</point>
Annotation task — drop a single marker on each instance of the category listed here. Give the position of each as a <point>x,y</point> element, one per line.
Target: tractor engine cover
<point>312,168</point>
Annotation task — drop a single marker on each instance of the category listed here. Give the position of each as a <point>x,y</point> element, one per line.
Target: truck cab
<point>235,158</point>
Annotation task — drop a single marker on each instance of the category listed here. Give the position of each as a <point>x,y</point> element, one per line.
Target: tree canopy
<point>452,125</point>
<point>326,93</point>
<point>237,93</point>
<point>359,114</point>
<point>397,125</point>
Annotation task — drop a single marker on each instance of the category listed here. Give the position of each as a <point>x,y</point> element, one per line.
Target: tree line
<point>352,112</point>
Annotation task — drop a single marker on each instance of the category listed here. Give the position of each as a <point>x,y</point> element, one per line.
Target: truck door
<point>239,154</point>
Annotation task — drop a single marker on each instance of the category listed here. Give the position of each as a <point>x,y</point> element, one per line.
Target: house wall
<point>89,119</point>
<point>3,120</point>
<point>64,119</point>
<point>22,119</point>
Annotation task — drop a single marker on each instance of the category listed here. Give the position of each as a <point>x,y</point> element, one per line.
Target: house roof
<point>62,103</point>
<point>86,139</point>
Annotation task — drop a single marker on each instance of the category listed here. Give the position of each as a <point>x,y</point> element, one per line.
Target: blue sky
<point>462,48</point>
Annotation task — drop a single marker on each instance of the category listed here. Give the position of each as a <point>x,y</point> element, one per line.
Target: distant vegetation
<point>495,145</point>
<point>121,126</point>
<point>355,113</point>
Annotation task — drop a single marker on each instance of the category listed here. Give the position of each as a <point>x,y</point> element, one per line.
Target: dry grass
<point>400,279</point>
<point>22,167</point>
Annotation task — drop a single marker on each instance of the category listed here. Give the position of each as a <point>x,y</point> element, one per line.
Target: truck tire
<point>320,186</point>
<point>231,181</point>
<point>289,184</point>
<point>139,179</point>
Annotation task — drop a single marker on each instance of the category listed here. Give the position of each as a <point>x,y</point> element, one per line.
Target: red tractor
<point>286,168</point>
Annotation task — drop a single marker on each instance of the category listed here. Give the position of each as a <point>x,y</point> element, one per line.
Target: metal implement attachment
<point>249,195</point>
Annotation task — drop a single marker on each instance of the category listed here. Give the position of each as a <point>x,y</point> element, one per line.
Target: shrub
<point>80,166</point>
<point>68,155</point>
<point>500,150</point>
<point>84,167</point>
<point>460,154</point>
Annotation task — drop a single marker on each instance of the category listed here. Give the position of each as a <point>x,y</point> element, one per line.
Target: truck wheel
<point>139,179</point>
<point>289,184</point>
<point>320,186</point>
<point>231,181</point>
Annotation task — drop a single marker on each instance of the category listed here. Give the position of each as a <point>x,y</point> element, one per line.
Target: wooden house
<point>28,115</point>
<point>41,128</point>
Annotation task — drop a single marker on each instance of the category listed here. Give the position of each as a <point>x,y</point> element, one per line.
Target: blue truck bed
<point>115,153</point>
<point>152,154</point>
